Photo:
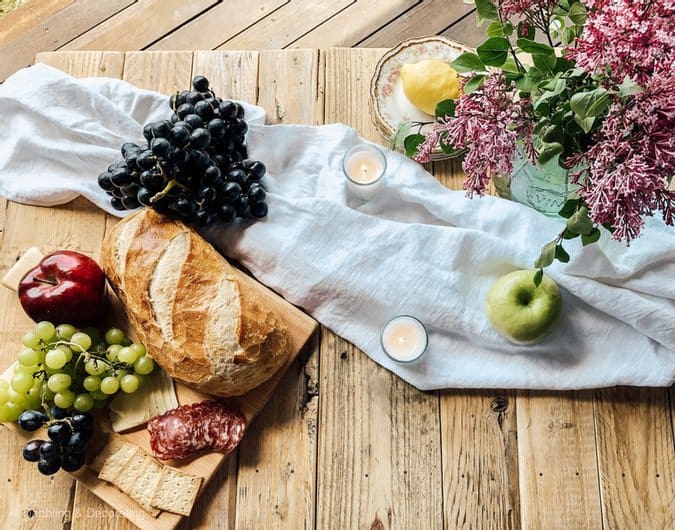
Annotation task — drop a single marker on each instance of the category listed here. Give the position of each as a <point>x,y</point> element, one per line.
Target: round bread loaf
<point>195,315</point>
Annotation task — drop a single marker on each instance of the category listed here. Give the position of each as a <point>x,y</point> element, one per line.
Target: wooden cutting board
<point>301,327</point>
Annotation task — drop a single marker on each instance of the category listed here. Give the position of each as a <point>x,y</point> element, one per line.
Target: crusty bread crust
<point>220,336</point>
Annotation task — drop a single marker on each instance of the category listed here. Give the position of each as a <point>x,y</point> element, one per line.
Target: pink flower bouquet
<point>602,103</point>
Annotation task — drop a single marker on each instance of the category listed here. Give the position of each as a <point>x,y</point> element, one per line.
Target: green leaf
<point>568,35</point>
<point>546,256</point>
<point>396,140</point>
<point>629,88</point>
<point>474,83</point>
<point>561,254</point>
<point>450,150</point>
<point>538,276</point>
<point>590,104</point>
<point>510,66</point>
<point>530,46</point>
<point>507,28</point>
<point>548,152</point>
<point>468,62</point>
<point>587,239</point>
<point>585,123</point>
<point>569,208</point>
<point>412,142</point>
<point>563,65</point>
<point>531,80</point>
<point>495,29</point>
<point>446,108</point>
<point>580,222</point>
<point>568,234</point>
<point>525,30</point>
<point>552,134</point>
<point>487,10</point>
<point>577,14</point>
<point>544,62</point>
<point>493,52</point>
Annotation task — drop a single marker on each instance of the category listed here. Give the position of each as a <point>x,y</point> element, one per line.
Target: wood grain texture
<point>79,64</point>
<point>209,31</point>
<point>636,453</point>
<point>27,16</point>
<point>54,31</point>
<point>139,25</point>
<point>379,438</point>
<point>466,31</point>
<point>557,461</point>
<point>480,460</point>
<point>235,74</point>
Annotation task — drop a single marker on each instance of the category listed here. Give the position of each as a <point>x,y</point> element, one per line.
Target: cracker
<point>145,484</point>
<point>176,492</point>
<point>126,478</point>
<point>116,461</point>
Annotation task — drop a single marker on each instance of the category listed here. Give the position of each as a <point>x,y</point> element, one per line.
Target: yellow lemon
<point>428,82</point>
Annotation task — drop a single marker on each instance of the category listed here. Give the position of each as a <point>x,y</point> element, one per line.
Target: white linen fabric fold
<point>416,249</point>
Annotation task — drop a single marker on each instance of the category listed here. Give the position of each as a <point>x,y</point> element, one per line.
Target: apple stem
<point>50,282</point>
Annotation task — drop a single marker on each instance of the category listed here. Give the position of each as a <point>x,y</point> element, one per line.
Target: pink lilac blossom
<point>626,171</point>
<point>489,124</point>
<point>627,38</point>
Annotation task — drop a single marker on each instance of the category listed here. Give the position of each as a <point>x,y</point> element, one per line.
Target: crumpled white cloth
<point>416,249</point>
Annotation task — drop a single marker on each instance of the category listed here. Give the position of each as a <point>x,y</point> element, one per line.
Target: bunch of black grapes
<point>195,165</point>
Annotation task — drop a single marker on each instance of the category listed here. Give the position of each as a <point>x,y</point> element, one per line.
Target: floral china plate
<point>388,104</point>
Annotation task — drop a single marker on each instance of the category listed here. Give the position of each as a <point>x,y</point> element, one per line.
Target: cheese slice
<point>132,410</point>
<point>30,259</point>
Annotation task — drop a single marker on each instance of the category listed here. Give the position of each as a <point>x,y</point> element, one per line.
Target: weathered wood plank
<point>557,460</point>
<point>27,16</point>
<point>636,453</point>
<point>217,25</point>
<point>379,438</point>
<point>480,460</point>
<point>354,23</point>
<point>235,74</point>
<point>426,18</point>
<point>285,25</point>
<point>165,72</point>
<point>277,458</point>
<point>54,31</point>
<point>466,31</point>
<point>105,64</point>
<point>139,25</point>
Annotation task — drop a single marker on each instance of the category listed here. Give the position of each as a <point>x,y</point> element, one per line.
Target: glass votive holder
<point>404,339</point>
<point>364,166</point>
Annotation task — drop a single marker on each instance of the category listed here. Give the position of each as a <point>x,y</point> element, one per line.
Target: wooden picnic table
<point>344,443</point>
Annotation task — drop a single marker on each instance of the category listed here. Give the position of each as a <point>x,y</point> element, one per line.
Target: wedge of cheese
<point>132,410</point>
<point>30,259</point>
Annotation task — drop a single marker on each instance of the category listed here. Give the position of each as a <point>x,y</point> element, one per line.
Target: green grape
<point>98,395</point>
<point>45,392</point>
<point>4,391</point>
<point>29,357</point>
<point>91,382</point>
<point>52,340</point>
<point>11,411</point>
<point>59,382</point>
<point>95,367</point>
<point>138,348</point>
<point>44,330</point>
<point>82,340</point>
<point>110,385</point>
<point>129,384</point>
<point>21,369</point>
<point>56,359</point>
<point>144,365</point>
<point>22,382</point>
<point>112,352</point>
<point>65,331</point>
<point>30,340</point>
<point>33,399</point>
<point>94,333</point>
<point>83,402</point>
<point>65,349</point>
<point>127,355</point>
<point>114,336</point>
<point>119,373</point>
<point>64,399</point>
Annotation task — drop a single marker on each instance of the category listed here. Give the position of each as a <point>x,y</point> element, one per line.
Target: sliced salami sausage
<point>192,429</point>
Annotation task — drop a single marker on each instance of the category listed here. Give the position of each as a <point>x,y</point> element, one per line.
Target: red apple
<point>66,287</point>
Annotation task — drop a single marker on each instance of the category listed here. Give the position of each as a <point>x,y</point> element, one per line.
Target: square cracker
<point>145,484</point>
<point>176,492</point>
<point>116,461</point>
<point>126,478</point>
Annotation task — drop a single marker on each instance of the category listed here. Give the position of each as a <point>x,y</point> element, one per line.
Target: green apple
<point>521,311</point>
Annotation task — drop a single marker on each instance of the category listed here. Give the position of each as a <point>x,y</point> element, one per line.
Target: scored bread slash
<point>176,492</point>
<point>144,485</point>
<point>114,464</point>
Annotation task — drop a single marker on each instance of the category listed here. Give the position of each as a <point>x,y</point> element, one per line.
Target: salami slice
<point>191,429</point>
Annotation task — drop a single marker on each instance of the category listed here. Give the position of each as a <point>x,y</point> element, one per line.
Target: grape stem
<point>164,192</point>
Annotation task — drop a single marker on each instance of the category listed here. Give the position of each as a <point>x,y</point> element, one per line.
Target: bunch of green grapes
<point>65,368</point>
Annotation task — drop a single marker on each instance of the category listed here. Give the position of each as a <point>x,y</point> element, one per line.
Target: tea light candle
<point>404,339</point>
<point>364,166</point>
